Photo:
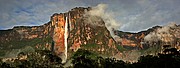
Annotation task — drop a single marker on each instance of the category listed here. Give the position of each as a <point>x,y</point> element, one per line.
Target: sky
<point>133,15</point>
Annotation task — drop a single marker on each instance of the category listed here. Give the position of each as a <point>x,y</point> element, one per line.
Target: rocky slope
<point>39,37</point>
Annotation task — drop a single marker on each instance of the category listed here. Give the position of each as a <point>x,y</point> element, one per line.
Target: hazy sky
<point>133,15</point>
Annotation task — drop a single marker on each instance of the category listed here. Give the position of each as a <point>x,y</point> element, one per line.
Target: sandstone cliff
<point>80,35</point>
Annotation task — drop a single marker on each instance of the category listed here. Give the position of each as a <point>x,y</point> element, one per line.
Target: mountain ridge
<point>84,31</point>
<point>51,35</point>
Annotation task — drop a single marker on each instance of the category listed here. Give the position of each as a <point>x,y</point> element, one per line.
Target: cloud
<point>20,12</point>
<point>100,11</point>
<point>166,34</point>
<point>134,15</point>
<point>145,14</point>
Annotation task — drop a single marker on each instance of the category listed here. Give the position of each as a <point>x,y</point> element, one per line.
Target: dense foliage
<point>41,58</point>
<point>170,58</point>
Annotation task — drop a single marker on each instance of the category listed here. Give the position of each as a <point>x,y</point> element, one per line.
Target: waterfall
<point>69,22</point>
<point>65,38</point>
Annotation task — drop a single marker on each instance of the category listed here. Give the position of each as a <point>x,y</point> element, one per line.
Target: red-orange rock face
<point>80,33</point>
<point>58,21</point>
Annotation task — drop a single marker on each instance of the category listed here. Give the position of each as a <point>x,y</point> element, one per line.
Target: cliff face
<point>133,40</point>
<point>158,36</point>
<point>151,41</point>
<point>24,35</point>
<point>64,35</point>
<point>80,34</point>
<point>13,41</point>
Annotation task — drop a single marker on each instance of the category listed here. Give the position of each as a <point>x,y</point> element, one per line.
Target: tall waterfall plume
<point>65,38</point>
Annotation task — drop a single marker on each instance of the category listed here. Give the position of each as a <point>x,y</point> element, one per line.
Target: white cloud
<point>134,15</point>
<point>17,12</point>
<point>163,34</point>
<point>150,13</point>
<point>100,11</point>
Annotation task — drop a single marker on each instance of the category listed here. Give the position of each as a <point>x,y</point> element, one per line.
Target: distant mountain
<point>153,40</point>
<point>133,40</point>
<point>67,32</point>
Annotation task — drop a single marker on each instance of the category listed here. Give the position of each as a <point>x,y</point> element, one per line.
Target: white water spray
<point>65,39</point>
<point>70,22</point>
